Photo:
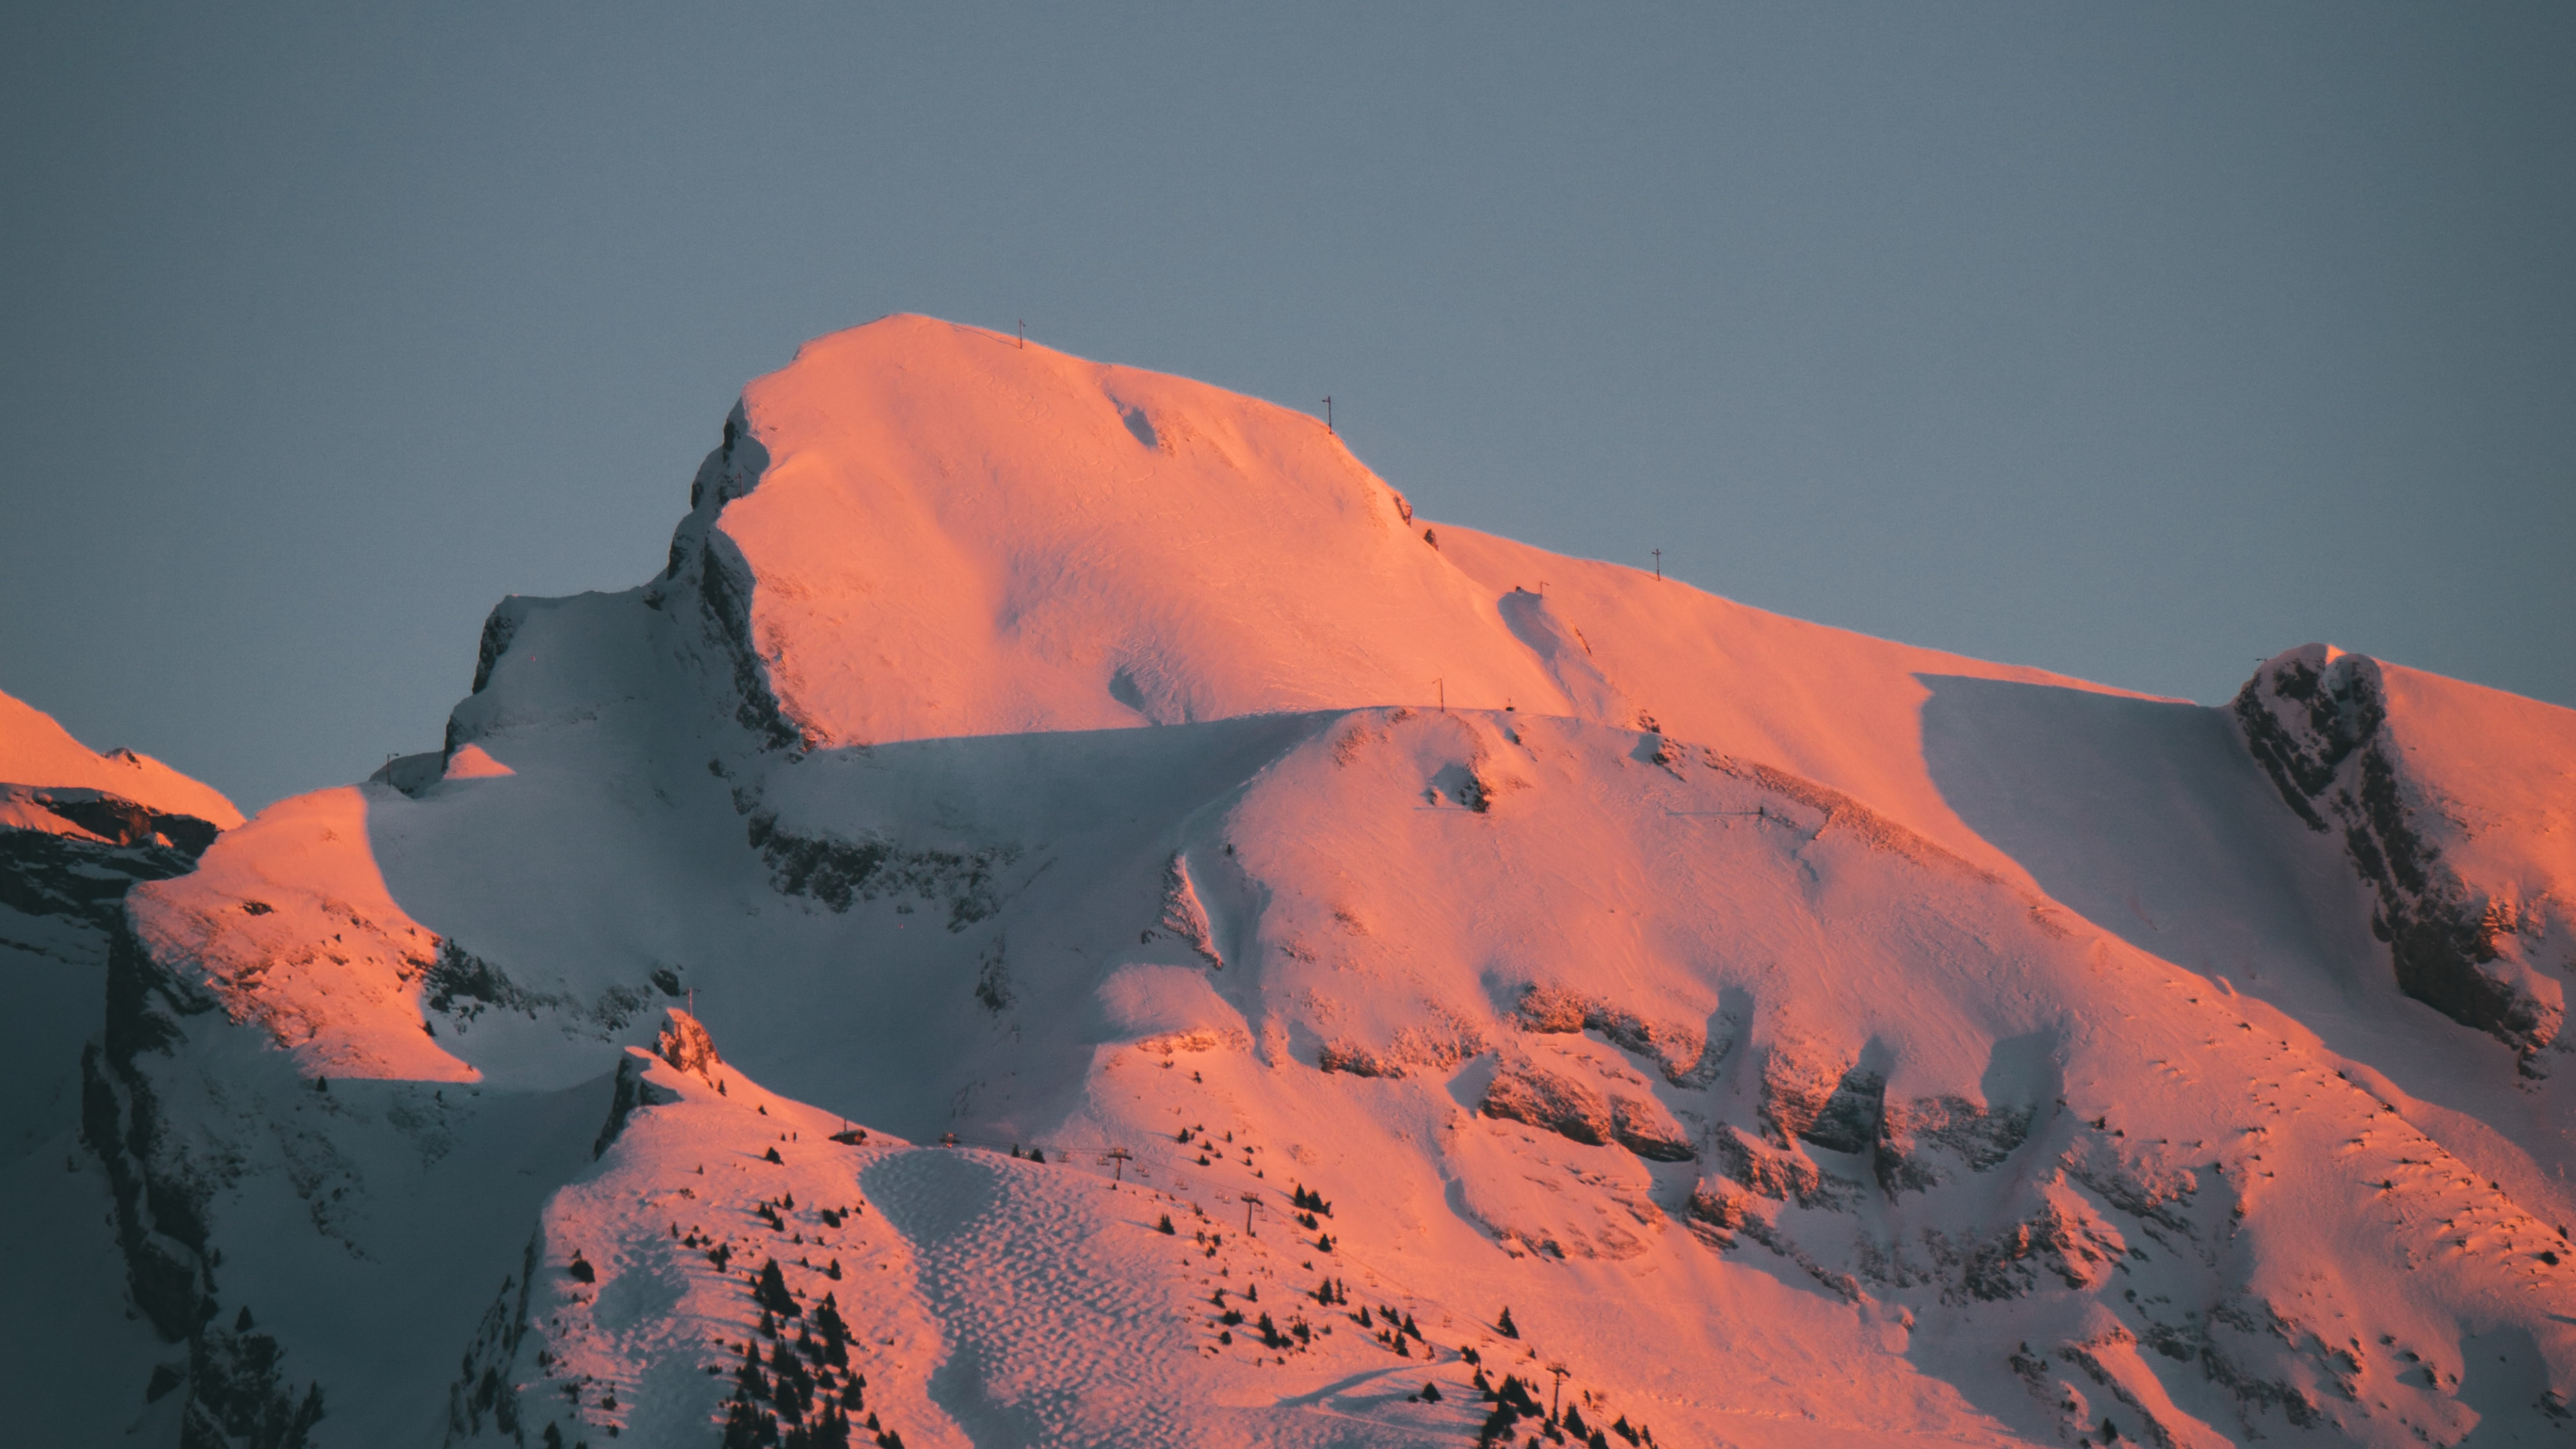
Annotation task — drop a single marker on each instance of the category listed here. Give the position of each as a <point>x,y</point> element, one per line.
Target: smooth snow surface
<point>1021,814</point>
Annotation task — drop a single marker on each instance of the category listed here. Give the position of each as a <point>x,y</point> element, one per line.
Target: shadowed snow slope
<point>77,830</point>
<point>998,944</point>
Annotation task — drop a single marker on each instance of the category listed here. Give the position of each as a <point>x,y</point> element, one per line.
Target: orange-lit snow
<point>1809,1038</point>
<point>36,751</point>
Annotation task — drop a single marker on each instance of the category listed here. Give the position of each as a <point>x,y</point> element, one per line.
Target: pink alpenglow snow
<point>1064,914</point>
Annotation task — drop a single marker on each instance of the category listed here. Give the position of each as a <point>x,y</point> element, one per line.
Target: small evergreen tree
<point>1505,1326</point>
<point>771,1292</point>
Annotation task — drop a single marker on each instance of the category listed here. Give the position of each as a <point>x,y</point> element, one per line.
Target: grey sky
<point>2131,341</point>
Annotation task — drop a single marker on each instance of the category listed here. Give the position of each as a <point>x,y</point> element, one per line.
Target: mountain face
<point>1064,914</point>
<point>77,832</point>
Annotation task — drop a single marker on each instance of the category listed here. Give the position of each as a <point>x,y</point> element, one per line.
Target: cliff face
<point>1000,941</point>
<point>2450,803</point>
<point>71,848</point>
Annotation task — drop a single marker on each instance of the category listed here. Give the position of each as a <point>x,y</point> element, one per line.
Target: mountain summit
<point>1065,914</point>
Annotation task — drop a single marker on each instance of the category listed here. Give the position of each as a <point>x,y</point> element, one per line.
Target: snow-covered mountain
<point>1064,914</point>
<point>77,831</point>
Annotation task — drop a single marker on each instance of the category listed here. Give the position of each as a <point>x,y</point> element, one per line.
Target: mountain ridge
<point>1802,1034</point>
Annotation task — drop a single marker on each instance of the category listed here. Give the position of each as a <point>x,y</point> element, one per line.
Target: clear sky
<point>2133,341</point>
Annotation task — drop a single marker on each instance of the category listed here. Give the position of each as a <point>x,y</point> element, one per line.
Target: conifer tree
<point>1505,1326</point>
<point>771,1292</point>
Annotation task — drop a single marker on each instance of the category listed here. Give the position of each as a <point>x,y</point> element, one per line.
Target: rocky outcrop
<point>1919,1141</point>
<point>2318,722</point>
<point>1687,1057</point>
<point>841,873</point>
<point>483,1390</point>
<point>1525,1091</point>
<point>240,1394</point>
<point>1184,915</point>
<point>77,852</point>
<point>1809,1096</point>
<point>2059,1241</point>
<point>686,1046</point>
<point>628,1094</point>
<point>1782,1175</point>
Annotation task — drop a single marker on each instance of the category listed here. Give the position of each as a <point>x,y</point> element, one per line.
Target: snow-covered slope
<point>36,751</point>
<point>1022,816</point>
<point>77,831</point>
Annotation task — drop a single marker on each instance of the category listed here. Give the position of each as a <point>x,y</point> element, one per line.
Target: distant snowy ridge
<point>35,751</point>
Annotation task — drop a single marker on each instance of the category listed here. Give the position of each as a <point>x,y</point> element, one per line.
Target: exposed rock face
<point>1687,1056</point>
<point>69,853</point>
<point>2321,724</point>
<point>1644,1127</point>
<point>1780,1175</point>
<point>1916,1137</point>
<point>1184,915</point>
<point>1524,1091</point>
<point>686,1046</point>
<point>76,852</point>
<point>842,873</point>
